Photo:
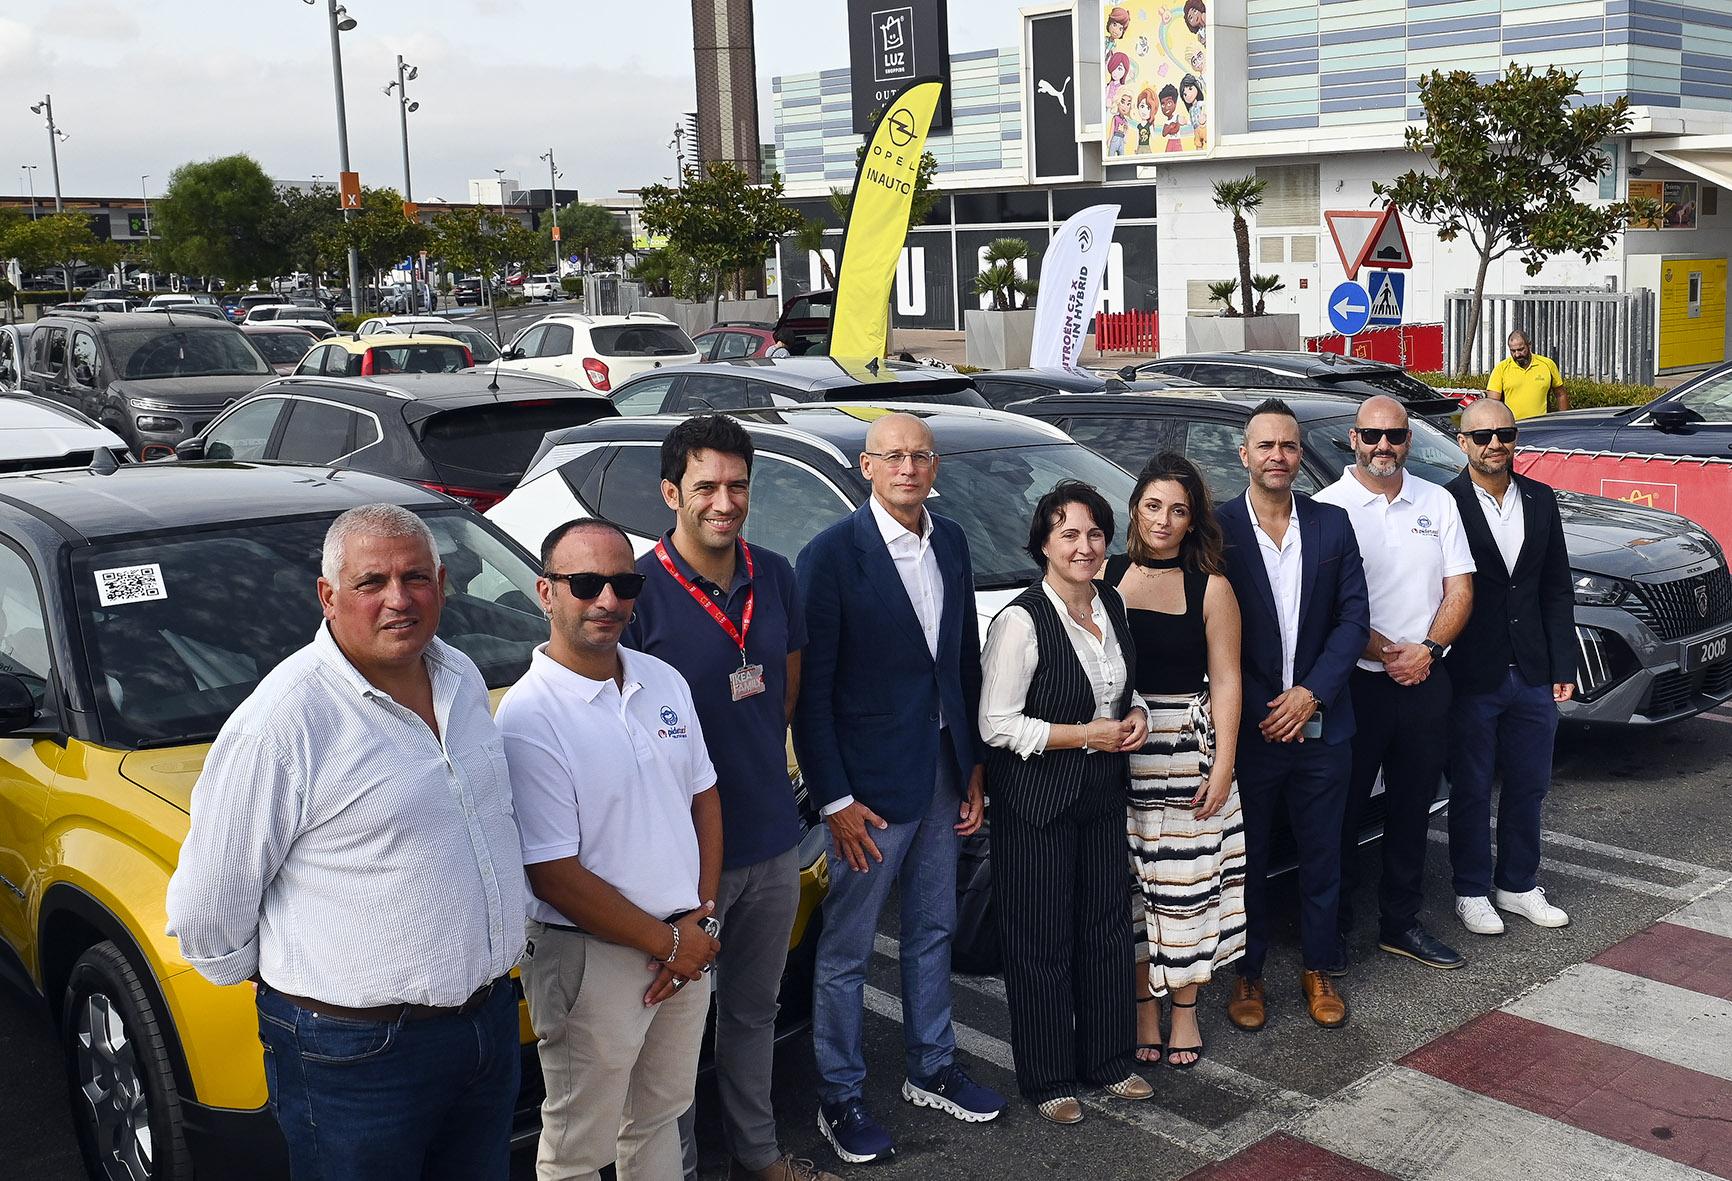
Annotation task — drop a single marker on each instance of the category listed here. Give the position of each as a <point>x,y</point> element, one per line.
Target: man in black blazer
<point>1294,566</point>
<point>1511,665</point>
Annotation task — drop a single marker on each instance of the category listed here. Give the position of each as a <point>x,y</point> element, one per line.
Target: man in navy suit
<point>884,731</point>
<point>1294,566</point>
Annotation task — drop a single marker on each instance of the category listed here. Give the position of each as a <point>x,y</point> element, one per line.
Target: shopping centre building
<point>1147,106</point>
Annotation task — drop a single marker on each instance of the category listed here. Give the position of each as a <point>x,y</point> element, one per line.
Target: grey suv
<point>761,384</point>
<point>152,380</point>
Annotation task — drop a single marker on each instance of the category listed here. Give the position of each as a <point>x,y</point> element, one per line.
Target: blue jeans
<point>1506,732</point>
<point>393,1101</point>
<point>919,859</point>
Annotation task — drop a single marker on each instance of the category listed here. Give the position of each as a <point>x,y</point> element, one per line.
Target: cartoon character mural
<point>1156,79</point>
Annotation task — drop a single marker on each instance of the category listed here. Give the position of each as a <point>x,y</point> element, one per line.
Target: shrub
<point>1584,395</point>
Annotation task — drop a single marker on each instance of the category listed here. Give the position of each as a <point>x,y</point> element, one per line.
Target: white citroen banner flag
<point>1070,286</point>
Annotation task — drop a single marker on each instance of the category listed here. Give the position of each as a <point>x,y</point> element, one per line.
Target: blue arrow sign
<point>1349,309</point>
<point>1388,291</point>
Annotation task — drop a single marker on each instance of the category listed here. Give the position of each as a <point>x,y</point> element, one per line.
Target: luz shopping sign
<point>890,44</point>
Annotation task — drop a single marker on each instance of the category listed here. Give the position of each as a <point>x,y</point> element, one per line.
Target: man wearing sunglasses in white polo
<point>1511,665</point>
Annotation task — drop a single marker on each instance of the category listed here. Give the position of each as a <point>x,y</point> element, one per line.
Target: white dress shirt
<point>917,567</point>
<point>342,851</point>
<point>607,775</point>
<point>1284,563</point>
<point>1508,526</point>
<point>1011,657</point>
<point>1409,545</point>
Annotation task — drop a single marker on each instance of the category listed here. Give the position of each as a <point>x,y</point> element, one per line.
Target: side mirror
<point>512,354</point>
<point>1672,418</point>
<point>192,448</point>
<point>17,704</point>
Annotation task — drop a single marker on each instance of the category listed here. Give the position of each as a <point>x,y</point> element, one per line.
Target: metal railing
<point>1592,335</point>
<point>607,293</point>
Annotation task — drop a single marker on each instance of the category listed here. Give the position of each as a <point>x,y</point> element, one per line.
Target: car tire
<point>125,1104</point>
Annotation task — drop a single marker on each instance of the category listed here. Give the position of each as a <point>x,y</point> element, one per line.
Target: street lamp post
<point>552,206</point>
<point>145,193</point>
<point>46,108</point>
<point>406,74</point>
<point>342,22</point>
<point>30,171</point>
<point>500,173</point>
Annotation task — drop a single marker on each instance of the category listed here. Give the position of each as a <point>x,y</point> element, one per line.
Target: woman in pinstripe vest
<point>1059,717</point>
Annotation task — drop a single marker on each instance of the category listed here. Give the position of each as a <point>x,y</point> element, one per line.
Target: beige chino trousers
<point>618,1073</point>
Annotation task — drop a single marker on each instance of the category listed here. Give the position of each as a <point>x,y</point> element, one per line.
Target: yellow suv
<point>138,607</point>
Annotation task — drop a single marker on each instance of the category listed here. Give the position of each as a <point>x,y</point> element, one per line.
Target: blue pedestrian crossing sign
<point>1349,308</point>
<point>1388,290</point>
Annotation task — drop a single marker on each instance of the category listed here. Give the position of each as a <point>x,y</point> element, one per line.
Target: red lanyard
<point>736,634</point>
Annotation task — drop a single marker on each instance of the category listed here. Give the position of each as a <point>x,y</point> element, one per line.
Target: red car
<point>732,340</point>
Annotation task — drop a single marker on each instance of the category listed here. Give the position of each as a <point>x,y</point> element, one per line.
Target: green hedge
<point>1584,395</point>
<point>349,321</point>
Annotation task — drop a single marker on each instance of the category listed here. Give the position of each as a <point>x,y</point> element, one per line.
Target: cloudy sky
<point>141,86</point>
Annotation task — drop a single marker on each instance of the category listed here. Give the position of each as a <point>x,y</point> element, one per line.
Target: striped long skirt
<point>1191,872</point>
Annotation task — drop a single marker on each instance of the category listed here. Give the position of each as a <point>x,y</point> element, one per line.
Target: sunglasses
<point>588,586</point>
<point>1373,435</point>
<point>1483,438</point>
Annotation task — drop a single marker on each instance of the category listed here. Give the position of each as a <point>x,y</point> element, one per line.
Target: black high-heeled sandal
<point>1196,1049</point>
<point>1157,1047</point>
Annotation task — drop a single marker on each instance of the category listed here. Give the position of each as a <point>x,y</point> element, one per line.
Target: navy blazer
<point>1334,614</point>
<point>870,692</point>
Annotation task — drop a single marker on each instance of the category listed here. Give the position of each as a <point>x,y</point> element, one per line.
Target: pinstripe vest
<point>1040,787</point>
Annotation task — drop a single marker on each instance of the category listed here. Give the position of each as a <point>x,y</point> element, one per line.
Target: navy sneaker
<point>853,1133</point>
<point>952,1091</point>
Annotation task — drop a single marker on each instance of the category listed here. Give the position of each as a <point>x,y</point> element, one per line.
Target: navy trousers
<point>1309,780</point>
<point>1505,734</point>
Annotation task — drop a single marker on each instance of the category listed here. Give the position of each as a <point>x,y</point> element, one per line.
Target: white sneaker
<point>1477,916</point>
<point>1532,906</point>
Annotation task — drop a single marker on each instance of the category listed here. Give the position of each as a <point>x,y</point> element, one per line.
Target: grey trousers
<point>757,904</point>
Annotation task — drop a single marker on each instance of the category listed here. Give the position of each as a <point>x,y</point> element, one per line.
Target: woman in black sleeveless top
<point>1187,839</point>
<point>1059,717</point>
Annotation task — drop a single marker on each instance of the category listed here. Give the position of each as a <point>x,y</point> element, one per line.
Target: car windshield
<point>282,348</point>
<point>141,354</point>
<point>480,344</point>
<point>641,340</point>
<point>1432,455</point>
<point>179,630</point>
<point>418,358</point>
<point>992,495</point>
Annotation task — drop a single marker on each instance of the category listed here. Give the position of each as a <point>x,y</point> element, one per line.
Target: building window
<point>1271,251</point>
<point>1303,248</point>
<point>1291,198</point>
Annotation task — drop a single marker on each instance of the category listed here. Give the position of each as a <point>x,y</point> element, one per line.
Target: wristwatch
<point>1432,646</point>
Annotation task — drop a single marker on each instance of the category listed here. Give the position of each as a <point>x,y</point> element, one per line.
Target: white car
<point>315,320</point>
<point>599,352</point>
<point>481,345</point>
<point>545,286</point>
<point>170,298</point>
<point>40,435</point>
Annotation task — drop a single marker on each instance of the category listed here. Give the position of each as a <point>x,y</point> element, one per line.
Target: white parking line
<point>1702,878</point>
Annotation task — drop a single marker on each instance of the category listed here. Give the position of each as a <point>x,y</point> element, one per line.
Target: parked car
<point>283,345</point>
<point>1331,372</point>
<point>599,352</point>
<point>468,293</point>
<point>804,325</point>
<point>184,310</point>
<point>141,607</point>
<point>14,344</point>
<point>39,435</point>
<point>543,286</point>
<point>469,435</point>
<point>315,320</point>
<point>1002,387</point>
<point>1653,595</point>
<point>152,379</point>
<point>761,384</point>
<point>733,340</point>
<point>367,356</point>
<point>168,298</point>
<point>480,345</point>
<point>252,301</point>
<point>1694,418</point>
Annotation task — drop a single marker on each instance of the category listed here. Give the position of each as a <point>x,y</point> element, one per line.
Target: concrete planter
<point>999,340</point>
<point>1235,334</point>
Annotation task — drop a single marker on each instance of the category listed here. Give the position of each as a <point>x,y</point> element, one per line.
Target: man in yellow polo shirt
<point>1524,381</point>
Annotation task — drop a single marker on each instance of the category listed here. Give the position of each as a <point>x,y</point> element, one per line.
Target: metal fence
<point>1591,334</point>
<point>606,293</point>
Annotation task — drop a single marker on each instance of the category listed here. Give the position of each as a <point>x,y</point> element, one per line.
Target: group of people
<point>375,853</point>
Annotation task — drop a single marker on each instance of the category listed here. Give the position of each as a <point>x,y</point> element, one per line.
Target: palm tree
<point>999,279</point>
<point>1222,292</point>
<point>1240,197</point>
<point>810,239</point>
<point>1265,286</point>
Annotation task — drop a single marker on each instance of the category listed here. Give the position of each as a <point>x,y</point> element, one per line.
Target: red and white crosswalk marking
<point>1618,1070</point>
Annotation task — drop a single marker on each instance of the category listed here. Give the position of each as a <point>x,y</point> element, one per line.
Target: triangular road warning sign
<point>1387,247</point>
<point>1352,230</point>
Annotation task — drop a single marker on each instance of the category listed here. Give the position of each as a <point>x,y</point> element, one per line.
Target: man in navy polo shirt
<point>727,616</point>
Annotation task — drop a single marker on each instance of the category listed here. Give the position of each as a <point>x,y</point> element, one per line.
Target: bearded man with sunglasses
<point>1511,665</point>
<point>622,843</point>
<point>1419,575</point>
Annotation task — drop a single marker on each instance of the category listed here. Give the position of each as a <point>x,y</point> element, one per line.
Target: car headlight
<point>157,424</point>
<point>1596,590</point>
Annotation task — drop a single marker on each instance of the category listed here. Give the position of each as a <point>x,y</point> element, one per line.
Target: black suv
<point>152,380</point>
<point>1356,377</point>
<point>761,384</point>
<point>1002,387</point>
<point>469,435</point>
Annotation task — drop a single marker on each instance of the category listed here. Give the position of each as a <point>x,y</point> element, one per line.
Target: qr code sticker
<point>130,584</point>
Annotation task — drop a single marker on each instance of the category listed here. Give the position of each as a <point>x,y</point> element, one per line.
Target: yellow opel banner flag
<point>878,224</point>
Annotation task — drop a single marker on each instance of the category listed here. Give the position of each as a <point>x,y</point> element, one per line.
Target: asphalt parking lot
<point>1636,826</point>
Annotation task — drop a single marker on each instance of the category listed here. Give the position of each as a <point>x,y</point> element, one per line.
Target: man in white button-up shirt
<point>353,852</point>
<point>1419,574</point>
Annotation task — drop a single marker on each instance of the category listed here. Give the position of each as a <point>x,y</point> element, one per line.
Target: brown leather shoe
<point>789,1168</point>
<point>1328,1007</point>
<point>1247,1009</point>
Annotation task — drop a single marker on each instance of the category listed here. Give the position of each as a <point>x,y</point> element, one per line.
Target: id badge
<point>746,681</point>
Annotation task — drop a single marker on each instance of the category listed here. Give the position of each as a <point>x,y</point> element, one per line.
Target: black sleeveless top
<point>1172,650</point>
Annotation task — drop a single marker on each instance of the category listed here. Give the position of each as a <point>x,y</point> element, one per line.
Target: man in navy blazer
<point>1294,566</point>
<point>885,735</point>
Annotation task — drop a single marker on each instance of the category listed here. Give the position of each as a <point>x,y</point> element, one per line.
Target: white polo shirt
<point>1409,545</point>
<point>607,775</point>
